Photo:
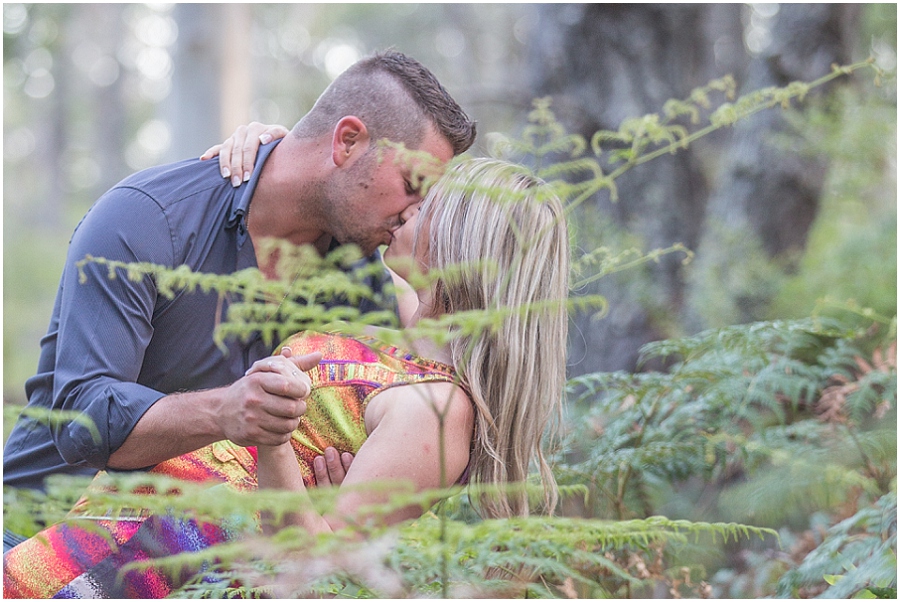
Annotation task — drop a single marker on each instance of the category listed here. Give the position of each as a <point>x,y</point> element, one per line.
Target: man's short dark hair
<point>395,96</point>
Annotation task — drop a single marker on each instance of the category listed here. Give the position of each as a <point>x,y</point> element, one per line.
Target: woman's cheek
<point>401,245</point>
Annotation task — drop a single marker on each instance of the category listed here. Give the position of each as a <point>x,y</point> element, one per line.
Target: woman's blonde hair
<point>498,241</point>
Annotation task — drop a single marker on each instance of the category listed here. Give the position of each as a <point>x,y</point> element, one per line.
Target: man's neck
<point>284,204</point>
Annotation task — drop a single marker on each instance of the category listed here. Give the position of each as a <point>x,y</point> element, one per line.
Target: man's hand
<point>264,407</point>
<point>331,468</point>
<point>237,154</point>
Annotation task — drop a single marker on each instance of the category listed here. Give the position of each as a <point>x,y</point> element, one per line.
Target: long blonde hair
<point>506,244</point>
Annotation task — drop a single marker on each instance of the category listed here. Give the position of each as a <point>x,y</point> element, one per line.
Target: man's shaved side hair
<point>396,97</point>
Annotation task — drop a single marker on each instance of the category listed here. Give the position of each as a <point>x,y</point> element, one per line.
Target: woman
<point>486,238</point>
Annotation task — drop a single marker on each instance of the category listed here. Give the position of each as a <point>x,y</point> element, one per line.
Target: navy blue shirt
<point>114,347</point>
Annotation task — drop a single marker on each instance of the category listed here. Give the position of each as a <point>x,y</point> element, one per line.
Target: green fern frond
<point>861,550</point>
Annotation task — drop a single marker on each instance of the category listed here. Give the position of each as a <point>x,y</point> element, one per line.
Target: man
<point>144,369</point>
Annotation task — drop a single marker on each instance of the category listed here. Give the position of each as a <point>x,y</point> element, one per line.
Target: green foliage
<point>852,131</point>
<point>31,268</point>
<point>763,423</point>
<point>848,255</point>
<point>857,555</point>
<point>737,282</point>
<point>276,308</point>
<point>26,511</point>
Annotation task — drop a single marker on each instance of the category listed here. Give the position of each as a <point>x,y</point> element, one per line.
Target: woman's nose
<point>409,213</point>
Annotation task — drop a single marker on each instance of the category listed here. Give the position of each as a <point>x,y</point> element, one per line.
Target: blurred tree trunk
<point>199,97</point>
<point>236,86</point>
<point>109,102</point>
<point>52,132</point>
<point>769,195</point>
<point>602,63</point>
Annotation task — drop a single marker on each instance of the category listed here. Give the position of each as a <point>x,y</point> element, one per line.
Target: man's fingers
<point>308,361</point>
<point>268,429</point>
<point>335,465</point>
<point>333,462</point>
<point>331,467</point>
<point>283,408</point>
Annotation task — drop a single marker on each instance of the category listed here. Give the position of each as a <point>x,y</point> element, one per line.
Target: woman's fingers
<point>282,377</point>
<point>237,154</point>
<point>332,467</point>
<point>321,471</point>
<point>212,151</point>
<point>273,132</point>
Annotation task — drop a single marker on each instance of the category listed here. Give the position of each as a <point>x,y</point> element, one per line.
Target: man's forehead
<point>421,161</point>
<point>436,153</point>
<point>437,144</point>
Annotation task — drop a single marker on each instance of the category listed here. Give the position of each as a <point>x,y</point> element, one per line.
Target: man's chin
<point>368,250</point>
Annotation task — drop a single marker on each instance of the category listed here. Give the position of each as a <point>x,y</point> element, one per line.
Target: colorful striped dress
<point>81,557</point>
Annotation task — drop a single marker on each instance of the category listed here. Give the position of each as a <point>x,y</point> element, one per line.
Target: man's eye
<point>410,189</point>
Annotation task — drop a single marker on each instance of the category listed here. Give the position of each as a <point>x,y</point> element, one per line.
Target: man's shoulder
<point>159,208</point>
<point>171,183</point>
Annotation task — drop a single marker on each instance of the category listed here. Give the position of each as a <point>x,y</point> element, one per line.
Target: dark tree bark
<point>806,41</point>
<point>602,63</point>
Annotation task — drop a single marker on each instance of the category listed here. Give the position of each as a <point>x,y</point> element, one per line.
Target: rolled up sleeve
<point>105,325</point>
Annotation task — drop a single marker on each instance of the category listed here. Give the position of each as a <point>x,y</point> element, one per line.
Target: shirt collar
<point>244,194</point>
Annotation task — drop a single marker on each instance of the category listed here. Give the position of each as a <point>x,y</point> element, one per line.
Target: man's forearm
<point>261,408</point>
<point>176,424</point>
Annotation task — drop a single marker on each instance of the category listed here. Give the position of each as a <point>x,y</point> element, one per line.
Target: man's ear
<point>350,137</point>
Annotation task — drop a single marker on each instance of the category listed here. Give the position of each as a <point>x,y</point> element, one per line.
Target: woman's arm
<point>403,447</point>
<point>404,444</point>
<point>277,468</point>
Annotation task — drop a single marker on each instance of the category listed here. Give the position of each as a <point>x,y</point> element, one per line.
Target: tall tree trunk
<point>109,101</point>
<point>236,83</point>
<point>193,109</point>
<point>769,195</point>
<point>602,63</point>
<point>52,133</point>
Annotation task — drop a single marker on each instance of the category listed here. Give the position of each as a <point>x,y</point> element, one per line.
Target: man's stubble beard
<point>347,220</point>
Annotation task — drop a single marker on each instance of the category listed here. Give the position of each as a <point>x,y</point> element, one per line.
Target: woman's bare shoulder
<point>422,401</point>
